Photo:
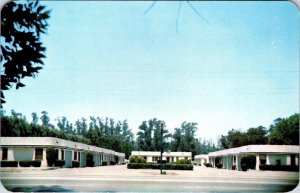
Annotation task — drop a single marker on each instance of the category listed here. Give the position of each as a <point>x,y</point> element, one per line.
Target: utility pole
<point>162,124</point>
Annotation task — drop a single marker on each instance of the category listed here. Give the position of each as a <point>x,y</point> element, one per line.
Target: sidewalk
<point>121,170</point>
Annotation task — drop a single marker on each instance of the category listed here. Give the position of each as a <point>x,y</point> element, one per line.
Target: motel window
<point>4,153</point>
<point>38,154</point>
<point>62,154</point>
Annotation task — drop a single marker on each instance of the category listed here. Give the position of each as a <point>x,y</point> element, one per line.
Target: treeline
<point>116,135</point>
<point>283,131</point>
<point>182,140</point>
<point>105,133</point>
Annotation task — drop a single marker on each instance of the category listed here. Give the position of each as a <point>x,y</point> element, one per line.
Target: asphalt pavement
<point>120,179</point>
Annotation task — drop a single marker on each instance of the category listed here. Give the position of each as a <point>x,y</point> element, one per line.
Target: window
<point>4,153</point>
<point>62,154</point>
<point>38,154</point>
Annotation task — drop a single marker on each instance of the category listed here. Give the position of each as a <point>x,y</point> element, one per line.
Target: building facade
<point>286,155</point>
<point>154,156</point>
<point>35,148</point>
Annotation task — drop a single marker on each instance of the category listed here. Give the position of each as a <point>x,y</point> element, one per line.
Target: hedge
<point>248,161</point>
<point>25,163</point>
<point>208,164</point>
<point>183,161</point>
<point>59,163</point>
<point>104,163</point>
<point>112,163</point>
<point>157,166</point>
<point>279,168</point>
<point>89,163</point>
<point>219,166</point>
<point>36,163</point>
<point>135,159</point>
<point>75,164</point>
<point>9,163</point>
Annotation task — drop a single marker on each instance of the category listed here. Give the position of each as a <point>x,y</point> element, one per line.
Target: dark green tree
<point>22,24</point>
<point>35,118</point>
<point>285,131</point>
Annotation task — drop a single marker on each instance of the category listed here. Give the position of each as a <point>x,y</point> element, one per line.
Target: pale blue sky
<point>109,59</point>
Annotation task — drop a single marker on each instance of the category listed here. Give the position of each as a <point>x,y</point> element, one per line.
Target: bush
<point>157,166</point>
<point>135,159</point>
<point>248,161</point>
<point>163,161</point>
<point>36,163</point>
<point>219,166</point>
<point>75,164</point>
<point>9,163</point>
<point>24,163</point>
<point>104,163</point>
<point>279,167</point>
<point>112,163</point>
<point>51,156</point>
<point>208,164</point>
<point>233,167</point>
<point>183,161</point>
<point>59,163</point>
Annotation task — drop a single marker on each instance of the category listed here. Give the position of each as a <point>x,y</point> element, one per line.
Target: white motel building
<point>29,148</point>
<point>154,156</point>
<point>265,154</point>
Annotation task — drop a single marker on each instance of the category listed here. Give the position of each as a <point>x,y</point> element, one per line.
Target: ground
<point>120,179</point>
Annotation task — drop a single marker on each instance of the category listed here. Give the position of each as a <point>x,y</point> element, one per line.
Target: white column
<point>268,159</point>
<point>44,161</point>
<point>59,154</point>
<point>237,163</point>
<point>288,159</point>
<point>257,162</point>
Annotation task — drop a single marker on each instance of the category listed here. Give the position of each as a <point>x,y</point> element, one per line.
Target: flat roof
<point>294,149</point>
<point>54,142</point>
<point>165,154</point>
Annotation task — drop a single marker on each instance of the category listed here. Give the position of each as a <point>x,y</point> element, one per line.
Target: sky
<point>223,65</point>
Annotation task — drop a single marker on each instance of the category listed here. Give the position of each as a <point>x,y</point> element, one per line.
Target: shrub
<point>249,162</point>
<point>75,164</point>
<point>279,167</point>
<point>51,156</point>
<point>157,166</point>
<point>5,163</point>
<point>183,161</point>
<point>244,167</point>
<point>36,163</point>
<point>208,164</point>
<point>104,163</point>
<point>59,163</point>
<point>112,163</point>
<point>25,163</point>
<point>163,161</point>
<point>233,167</point>
<point>135,159</point>
<point>219,165</point>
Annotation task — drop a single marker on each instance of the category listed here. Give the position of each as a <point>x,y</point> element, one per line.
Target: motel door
<point>68,159</point>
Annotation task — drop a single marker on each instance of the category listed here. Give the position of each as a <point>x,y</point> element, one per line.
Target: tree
<point>22,51</point>
<point>285,131</point>
<point>35,118</point>
<point>45,119</point>
<point>257,135</point>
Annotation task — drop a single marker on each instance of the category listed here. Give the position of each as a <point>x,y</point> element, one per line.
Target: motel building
<point>154,156</point>
<point>283,155</point>
<point>35,148</point>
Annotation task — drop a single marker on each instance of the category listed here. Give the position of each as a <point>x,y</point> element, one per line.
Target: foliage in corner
<point>22,24</point>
